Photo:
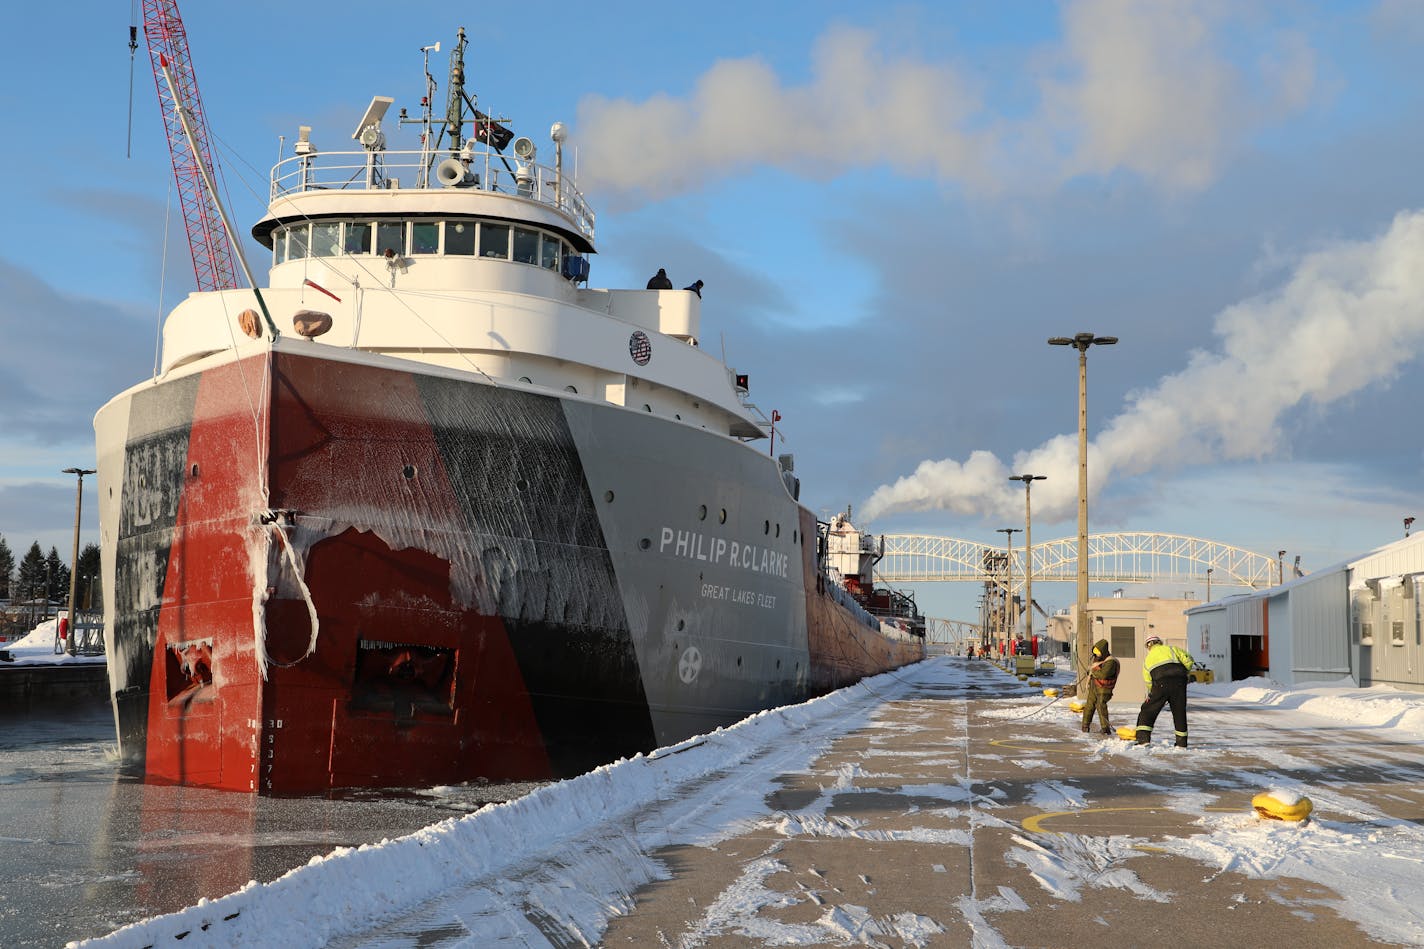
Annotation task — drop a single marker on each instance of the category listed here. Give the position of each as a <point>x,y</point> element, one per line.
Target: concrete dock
<point>949,824</point>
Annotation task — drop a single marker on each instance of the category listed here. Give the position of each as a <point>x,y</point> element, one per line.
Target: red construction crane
<point>168,42</point>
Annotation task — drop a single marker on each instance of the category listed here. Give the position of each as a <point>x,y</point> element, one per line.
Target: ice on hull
<point>348,572</point>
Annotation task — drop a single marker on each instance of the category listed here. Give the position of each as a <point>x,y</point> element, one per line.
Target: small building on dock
<point>1126,622</point>
<point>1358,619</point>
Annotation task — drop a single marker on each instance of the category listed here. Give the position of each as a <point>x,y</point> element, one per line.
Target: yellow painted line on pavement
<point>1007,743</point>
<point>1034,824</point>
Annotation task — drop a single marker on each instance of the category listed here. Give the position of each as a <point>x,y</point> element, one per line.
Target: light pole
<point>1208,584</point>
<point>1028,480</point>
<point>79,473</point>
<point>1082,342</point>
<point>1009,582</point>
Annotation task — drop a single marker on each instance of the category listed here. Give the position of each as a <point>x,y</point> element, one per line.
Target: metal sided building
<point>1385,628</point>
<point>1358,619</point>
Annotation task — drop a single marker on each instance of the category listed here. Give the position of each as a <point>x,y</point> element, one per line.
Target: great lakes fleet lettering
<point>742,596</point>
<point>718,550</point>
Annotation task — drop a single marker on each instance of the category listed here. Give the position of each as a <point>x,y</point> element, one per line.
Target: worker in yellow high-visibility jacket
<point>1166,670</point>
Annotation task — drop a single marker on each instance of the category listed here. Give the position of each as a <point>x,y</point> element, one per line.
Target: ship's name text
<point>719,550</point>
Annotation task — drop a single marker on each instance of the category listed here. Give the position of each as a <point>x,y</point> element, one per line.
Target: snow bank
<point>1380,706</point>
<point>37,646</point>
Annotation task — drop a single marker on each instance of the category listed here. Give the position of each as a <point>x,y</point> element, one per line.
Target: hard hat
<point>1154,639</point>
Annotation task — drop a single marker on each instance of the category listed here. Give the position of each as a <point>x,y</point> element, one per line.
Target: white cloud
<point>859,108</point>
<point>1349,315</point>
<point>1146,88</point>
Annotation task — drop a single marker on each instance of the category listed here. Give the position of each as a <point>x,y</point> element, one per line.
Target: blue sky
<point>892,208</point>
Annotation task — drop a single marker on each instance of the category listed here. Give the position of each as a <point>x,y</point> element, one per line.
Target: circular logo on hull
<point>689,665</point>
<point>640,347</point>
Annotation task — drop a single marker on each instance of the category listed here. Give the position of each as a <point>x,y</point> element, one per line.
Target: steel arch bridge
<point>1124,557</point>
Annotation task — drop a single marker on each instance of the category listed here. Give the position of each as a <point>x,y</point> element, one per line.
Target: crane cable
<point>133,50</point>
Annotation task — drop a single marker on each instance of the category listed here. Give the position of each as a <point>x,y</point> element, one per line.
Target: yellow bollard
<point>1282,805</point>
<point>1052,694</point>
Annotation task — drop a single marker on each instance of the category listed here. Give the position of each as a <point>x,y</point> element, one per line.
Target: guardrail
<point>484,170</point>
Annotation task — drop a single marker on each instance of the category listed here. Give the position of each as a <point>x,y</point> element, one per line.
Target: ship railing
<point>380,170</point>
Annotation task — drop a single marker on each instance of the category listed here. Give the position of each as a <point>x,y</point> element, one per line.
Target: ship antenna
<point>455,101</point>
<point>425,144</point>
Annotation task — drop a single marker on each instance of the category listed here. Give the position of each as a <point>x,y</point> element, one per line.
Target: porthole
<point>778,530</point>
<point>739,662</point>
<point>766,527</point>
<point>193,471</point>
<point>408,471</point>
<point>678,416</point>
<point>645,543</point>
<point>778,663</point>
<point>647,407</point>
<point>573,389</point>
<point>608,496</point>
<point>681,625</point>
<point>794,539</point>
<point>722,516</point>
<point>521,485</point>
<point>702,512</point>
<point>526,379</point>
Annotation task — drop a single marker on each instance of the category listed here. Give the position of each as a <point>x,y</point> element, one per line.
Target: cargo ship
<point>429,508</point>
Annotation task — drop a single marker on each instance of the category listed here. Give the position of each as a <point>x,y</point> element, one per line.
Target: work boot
<point>1085,728</point>
<point>1107,730</point>
<point>1181,743</point>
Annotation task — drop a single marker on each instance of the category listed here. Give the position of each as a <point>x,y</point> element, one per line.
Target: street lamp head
<point>1027,478</point>
<point>1081,341</point>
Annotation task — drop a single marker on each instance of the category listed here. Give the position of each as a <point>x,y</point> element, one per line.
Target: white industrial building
<point>1360,618</point>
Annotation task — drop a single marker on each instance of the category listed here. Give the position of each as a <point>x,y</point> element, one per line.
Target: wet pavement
<point>85,849</point>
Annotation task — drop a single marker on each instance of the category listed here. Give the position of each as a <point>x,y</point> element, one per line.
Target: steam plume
<point>1349,315</point>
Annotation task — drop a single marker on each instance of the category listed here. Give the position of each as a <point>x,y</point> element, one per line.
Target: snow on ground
<point>38,647</point>
<point>576,850</point>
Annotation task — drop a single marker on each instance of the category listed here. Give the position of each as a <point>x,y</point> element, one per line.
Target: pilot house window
<point>298,240</point>
<point>460,237</point>
<point>326,240</point>
<point>526,246</point>
<point>425,238</point>
<point>494,240</point>
<point>550,258</point>
<point>334,239</point>
<point>390,237</point>
<point>358,238</point>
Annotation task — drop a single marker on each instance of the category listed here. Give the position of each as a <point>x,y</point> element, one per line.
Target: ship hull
<point>336,571</point>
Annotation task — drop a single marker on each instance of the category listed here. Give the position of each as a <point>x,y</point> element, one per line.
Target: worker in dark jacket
<point>1102,679</point>
<point>1165,669</point>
